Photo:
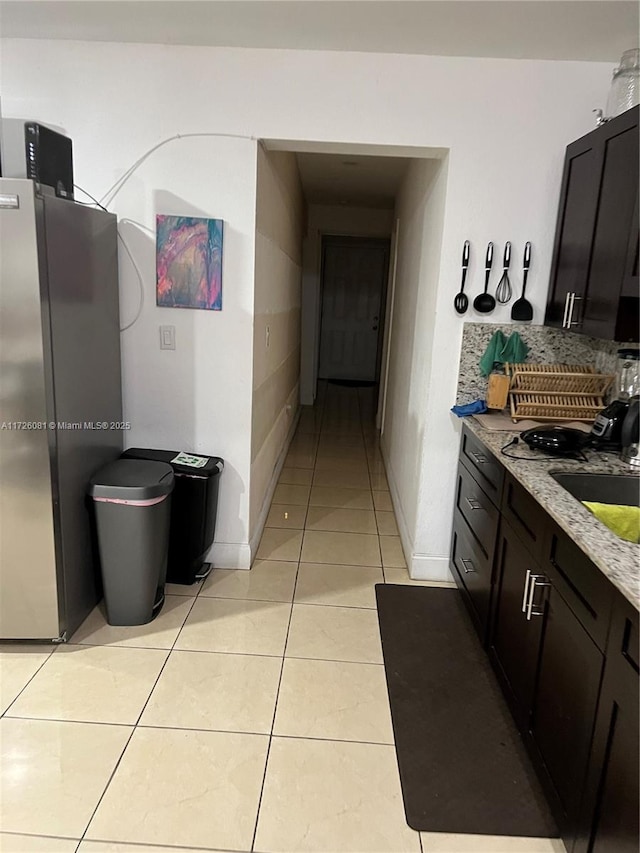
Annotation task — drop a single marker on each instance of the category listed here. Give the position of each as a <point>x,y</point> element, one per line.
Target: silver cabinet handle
<point>473,504</point>
<point>569,304</point>
<point>572,299</point>
<point>573,322</point>
<point>526,587</point>
<point>536,581</point>
<point>478,458</point>
<point>464,566</point>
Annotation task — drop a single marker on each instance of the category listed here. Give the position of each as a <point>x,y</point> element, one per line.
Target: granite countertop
<point>617,559</point>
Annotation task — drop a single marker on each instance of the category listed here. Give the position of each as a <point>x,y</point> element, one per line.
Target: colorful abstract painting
<point>189,262</point>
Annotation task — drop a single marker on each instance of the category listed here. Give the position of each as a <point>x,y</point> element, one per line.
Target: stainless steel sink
<point>602,488</point>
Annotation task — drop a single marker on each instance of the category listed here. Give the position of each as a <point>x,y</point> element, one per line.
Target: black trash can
<point>132,503</point>
<point>194,506</point>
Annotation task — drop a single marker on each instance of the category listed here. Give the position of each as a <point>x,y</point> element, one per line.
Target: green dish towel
<point>512,349</point>
<point>623,520</point>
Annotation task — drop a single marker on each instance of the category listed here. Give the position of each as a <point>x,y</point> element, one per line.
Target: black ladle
<point>522,309</point>
<point>484,303</point>
<point>461,302</point>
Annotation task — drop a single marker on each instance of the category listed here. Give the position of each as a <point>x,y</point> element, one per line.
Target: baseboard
<point>427,568</point>
<point>230,555</point>
<point>254,542</point>
<point>403,530</point>
<point>422,567</point>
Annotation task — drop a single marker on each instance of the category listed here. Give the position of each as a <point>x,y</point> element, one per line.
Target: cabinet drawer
<point>583,586</point>
<point>478,511</point>
<point>525,515</point>
<point>483,465</point>
<point>472,568</point>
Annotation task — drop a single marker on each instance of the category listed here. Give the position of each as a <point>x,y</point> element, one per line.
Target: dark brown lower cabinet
<point>514,642</point>
<point>551,671</point>
<point>564,704</point>
<point>609,821</point>
<point>565,646</point>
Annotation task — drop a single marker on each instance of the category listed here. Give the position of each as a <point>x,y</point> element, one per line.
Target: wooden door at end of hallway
<point>354,279</point>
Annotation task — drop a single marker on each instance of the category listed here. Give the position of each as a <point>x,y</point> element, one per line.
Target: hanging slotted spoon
<point>461,302</point>
<point>522,309</point>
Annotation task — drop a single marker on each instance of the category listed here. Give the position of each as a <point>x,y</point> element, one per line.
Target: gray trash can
<point>132,502</point>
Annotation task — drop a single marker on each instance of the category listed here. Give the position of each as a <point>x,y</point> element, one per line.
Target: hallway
<point>252,714</point>
<point>332,505</point>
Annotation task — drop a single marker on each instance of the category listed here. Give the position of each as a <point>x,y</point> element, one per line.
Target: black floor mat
<point>463,766</point>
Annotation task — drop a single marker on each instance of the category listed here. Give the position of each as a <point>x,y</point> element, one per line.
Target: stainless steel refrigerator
<point>60,404</point>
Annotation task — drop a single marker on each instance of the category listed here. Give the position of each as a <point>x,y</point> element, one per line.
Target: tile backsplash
<point>546,345</point>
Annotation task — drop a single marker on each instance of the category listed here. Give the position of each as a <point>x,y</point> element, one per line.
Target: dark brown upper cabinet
<point>594,273</point>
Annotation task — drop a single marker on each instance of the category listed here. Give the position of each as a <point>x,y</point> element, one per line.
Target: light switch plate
<point>167,337</point>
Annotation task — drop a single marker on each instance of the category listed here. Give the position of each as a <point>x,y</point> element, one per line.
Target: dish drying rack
<point>556,392</point>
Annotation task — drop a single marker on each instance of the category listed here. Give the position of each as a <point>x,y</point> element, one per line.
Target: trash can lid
<point>197,465</point>
<point>132,480</point>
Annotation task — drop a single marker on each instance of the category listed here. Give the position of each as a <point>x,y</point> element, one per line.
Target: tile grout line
<point>263,735</point>
<point>275,706</point>
<point>284,650</point>
<point>143,845</point>
<point>15,699</point>
<point>216,652</point>
<point>135,726</point>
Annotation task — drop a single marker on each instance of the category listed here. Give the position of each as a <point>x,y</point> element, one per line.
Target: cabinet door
<point>614,228</point>
<point>610,807</point>
<point>514,640</point>
<point>564,707</point>
<point>575,225</point>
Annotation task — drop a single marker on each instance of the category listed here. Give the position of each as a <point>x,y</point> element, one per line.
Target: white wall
<point>505,123</point>
<point>197,397</point>
<point>409,407</point>
<point>276,325</point>
<point>341,221</point>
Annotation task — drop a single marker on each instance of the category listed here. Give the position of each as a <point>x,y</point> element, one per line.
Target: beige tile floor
<point>252,714</point>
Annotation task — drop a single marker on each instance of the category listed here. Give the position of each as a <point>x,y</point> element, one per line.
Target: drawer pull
<point>473,504</point>
<point>535,582</point>
<point>526,588</point>
<point>478,458</point>
<point>464,566</point>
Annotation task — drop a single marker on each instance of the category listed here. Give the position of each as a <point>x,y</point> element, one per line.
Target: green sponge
<point>623,520</point>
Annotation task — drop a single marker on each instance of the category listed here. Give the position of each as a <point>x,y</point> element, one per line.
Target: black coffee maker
<point>607,427</point>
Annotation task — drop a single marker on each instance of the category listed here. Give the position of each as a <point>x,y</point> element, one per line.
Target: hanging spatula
<point>522,309</point>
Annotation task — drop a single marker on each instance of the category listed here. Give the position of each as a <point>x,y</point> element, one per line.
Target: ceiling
<point>354,180</point>
<point>592,30</point>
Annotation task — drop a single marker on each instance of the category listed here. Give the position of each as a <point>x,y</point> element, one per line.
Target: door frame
<point>347,240</point>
